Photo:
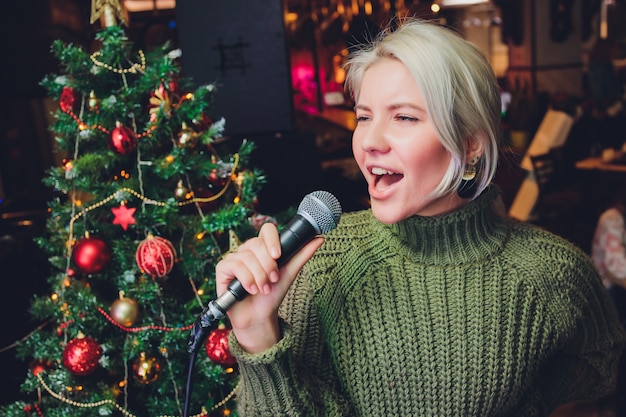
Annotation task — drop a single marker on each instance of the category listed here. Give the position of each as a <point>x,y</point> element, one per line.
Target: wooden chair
<point>562,202</point>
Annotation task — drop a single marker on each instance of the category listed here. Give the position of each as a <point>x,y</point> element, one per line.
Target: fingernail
<point>274,276</point>
<point>274,253</point>
<point>254,289</point>
<point>267,289</point>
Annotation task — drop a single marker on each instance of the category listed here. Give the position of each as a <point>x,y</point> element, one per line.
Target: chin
<point>385,216</point>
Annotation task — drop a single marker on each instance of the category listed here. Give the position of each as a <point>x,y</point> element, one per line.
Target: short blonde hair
<point>459,88</point>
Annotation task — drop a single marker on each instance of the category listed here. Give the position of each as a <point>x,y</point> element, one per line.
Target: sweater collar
<point>471,234</point>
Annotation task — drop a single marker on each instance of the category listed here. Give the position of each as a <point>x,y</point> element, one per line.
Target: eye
<point>361,118</point>
<point>406,118</point>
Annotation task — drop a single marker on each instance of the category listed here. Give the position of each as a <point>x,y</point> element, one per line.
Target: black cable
<point>207,321</point>
<point>192,362</point>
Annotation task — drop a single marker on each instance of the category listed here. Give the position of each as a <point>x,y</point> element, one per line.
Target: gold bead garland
<point>116,405</point>
<point>132,69</point>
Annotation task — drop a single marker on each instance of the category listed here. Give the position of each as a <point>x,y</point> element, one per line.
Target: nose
<point>372,137</point>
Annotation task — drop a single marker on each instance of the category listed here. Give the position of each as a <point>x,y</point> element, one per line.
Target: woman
<point>432,302</point>
<point>608,251</point>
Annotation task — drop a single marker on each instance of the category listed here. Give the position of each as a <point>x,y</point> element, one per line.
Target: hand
<point>255,318</point>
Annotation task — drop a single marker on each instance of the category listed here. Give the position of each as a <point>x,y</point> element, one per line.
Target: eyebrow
<point>393,107</point>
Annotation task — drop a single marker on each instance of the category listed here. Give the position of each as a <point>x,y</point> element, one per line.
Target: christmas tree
<point>148,199</point>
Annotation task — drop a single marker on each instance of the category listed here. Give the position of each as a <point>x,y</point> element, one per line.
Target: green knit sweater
<point>465,314</point>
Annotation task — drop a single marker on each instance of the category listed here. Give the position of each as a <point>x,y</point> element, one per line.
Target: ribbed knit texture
<point>466,314</point>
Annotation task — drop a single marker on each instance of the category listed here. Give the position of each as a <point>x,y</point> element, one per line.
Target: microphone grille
<point>323,208</point>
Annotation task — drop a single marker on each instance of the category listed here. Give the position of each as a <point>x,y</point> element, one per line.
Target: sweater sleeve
<point>588,338</point>
<point>294,377</point>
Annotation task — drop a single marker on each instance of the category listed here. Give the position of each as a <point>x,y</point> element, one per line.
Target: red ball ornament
<point>40,366</point>
<point>81,355</point>
<point>67,101</point>
<point>122,140</point>
<point>217,347</point>
<point>203,123</point>
<point>90,255</point>
<point>155,256</point>
<point>174,87</point>
<point>218,178</point>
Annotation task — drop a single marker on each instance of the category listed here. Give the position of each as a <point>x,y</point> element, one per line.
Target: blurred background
<point>278,68</point>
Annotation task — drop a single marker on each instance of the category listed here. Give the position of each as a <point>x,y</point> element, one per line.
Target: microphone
<point>318,213</point>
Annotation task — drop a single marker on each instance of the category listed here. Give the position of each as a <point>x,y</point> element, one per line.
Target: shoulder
<point>545,260</point>
<point>559,273</point>
<point>538,247</point>
<point>528,238</point>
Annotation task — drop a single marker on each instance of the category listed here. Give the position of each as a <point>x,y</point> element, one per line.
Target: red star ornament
<point>124,216</point>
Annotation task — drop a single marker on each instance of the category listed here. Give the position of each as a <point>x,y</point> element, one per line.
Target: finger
<point>269,234</point>
<point>234,267</point>
<point>257,268</point>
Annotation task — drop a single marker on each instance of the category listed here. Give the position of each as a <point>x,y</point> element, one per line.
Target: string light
<point>157,203</point>
<point>83,126</point>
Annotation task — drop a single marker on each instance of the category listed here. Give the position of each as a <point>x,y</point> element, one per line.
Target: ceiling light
<point>147,5</point>
<point>460,3</point>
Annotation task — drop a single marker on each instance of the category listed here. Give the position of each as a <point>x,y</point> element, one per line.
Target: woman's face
<point>396,147</point>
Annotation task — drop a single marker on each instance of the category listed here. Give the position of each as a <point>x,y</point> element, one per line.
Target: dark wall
<point>27,32</point>
<point>240,45</point>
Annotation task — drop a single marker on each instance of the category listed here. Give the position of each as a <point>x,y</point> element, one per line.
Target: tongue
<point>385,181</point>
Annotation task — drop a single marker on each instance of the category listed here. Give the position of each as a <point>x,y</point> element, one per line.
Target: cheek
<point>429,165</point>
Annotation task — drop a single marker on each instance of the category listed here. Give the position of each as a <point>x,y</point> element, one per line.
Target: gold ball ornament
<point>94,102</point>
<point>146,370</point>
<point>181,191</point>
<point>187,137</point>
<point>124,311</point>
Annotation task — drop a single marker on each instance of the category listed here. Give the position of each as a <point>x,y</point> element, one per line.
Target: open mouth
<point>385,178</point>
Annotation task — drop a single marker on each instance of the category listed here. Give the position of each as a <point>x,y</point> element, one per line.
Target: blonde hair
<point>459,88</point>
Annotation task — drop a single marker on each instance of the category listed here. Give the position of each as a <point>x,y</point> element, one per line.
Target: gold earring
<point>467,187</point>
<point>470,171</point>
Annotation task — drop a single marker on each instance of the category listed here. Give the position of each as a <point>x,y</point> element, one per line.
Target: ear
<point>474,149</point>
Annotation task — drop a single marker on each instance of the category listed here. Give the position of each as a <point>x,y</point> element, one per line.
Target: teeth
<point>380,171</point>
